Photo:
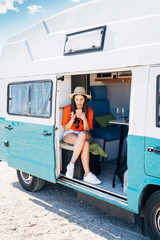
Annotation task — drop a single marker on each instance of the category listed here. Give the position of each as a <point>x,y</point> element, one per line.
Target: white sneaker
<point>70,170</point>
<point>91,178</point>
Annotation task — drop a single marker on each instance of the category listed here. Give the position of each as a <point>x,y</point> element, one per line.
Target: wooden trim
<point>113,80</point>
<point>66,146</point>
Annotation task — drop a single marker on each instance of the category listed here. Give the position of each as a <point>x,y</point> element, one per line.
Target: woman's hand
<point>68,125</point>
<point>83,116</point>
<point>85,121</point>
<point>73,116</point>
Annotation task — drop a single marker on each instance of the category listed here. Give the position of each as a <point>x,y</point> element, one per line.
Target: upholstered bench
<point>101,110</point>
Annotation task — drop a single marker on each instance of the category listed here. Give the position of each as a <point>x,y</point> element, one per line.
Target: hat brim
<point>72,94</point>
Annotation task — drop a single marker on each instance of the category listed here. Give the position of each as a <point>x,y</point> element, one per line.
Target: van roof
<point>132,38</point>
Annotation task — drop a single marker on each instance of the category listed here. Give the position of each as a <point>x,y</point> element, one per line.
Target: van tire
<point>29,182</point>
<point>152,216</point>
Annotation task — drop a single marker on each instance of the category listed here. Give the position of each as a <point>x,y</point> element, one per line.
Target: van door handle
<point>155,150</point>
<point>9,127</point>
<point>46,133</point>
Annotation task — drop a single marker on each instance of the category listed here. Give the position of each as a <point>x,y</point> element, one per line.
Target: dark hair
<point>85,105</point>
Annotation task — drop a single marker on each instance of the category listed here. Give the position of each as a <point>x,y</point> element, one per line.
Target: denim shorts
<point>70,131</point>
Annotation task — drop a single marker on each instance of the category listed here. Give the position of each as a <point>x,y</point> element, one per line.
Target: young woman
<point>77,121</point>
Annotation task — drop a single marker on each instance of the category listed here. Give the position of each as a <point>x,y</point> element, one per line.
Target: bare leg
<point>81,145</point>
<point>85,157</point>
<point>70,138</point>
<point>78,141</point>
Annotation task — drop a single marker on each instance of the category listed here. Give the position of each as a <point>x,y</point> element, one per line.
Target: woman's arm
<point>85,122</point>
<point>68,125</point>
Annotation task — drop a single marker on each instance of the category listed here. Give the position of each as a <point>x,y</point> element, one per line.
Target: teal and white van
<point>112,43</point>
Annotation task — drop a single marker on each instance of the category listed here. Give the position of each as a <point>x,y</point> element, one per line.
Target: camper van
<point>111,48</point>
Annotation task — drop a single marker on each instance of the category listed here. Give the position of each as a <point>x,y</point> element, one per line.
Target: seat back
<point>98,93</point>
<point>99,103</point>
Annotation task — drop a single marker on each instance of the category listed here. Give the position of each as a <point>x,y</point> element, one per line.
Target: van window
<point>30,99</point>
<point>158,103</point>
<point>87,40</point>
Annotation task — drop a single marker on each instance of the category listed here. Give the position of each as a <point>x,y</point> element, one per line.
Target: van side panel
<point>136,136</point>
<point>152,159</point>
<point>136,174</point>
<point>3,150</point>
<point>31,151</point>
<point>137,178</point>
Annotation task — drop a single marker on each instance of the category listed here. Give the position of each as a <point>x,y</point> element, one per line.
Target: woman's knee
<point>70,138</point>
<point>84,135</point>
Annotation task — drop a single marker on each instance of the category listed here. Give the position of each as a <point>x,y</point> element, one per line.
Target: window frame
<point>86,49</point>
<point>157,100</point>
<point>30,82</point>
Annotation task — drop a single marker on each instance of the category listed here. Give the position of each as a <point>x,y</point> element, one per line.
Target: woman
<point>77,121</point>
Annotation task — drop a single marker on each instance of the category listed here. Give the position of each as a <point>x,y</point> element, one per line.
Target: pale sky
<point>18,15</point>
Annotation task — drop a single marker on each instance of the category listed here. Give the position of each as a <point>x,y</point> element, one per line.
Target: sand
<point>54,213</point>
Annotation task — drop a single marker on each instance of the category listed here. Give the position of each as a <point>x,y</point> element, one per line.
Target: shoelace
<point>93,175</point>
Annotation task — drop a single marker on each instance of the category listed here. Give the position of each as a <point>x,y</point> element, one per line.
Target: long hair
<point>85,105</point>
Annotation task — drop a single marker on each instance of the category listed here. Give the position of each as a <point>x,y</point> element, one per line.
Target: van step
<point>108,207</point>
<point>94,191</point>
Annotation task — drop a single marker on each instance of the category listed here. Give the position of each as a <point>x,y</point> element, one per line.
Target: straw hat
<point>79,91</point>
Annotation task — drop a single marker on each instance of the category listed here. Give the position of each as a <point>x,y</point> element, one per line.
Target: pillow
<point>103,121</point>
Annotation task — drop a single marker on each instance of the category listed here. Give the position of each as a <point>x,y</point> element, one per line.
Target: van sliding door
<point>152,144</point>
<point>30,127</point>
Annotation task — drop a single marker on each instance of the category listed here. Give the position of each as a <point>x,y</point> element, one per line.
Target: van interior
<point>117,86</point>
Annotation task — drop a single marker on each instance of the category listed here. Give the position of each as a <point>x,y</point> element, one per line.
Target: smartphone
<point>78,112</point>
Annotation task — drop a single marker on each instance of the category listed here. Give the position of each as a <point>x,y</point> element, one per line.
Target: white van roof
<point>132,38</point>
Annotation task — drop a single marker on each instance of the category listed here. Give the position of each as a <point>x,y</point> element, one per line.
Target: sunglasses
<point>77,121</point>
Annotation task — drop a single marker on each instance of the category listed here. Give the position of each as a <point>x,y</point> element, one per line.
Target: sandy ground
<point>54,213</point>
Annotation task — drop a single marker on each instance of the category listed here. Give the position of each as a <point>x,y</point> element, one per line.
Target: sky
<point>18,15</point>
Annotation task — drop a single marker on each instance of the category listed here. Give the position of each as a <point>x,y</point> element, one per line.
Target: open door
<point>152,146</point>
<point>30,126</point>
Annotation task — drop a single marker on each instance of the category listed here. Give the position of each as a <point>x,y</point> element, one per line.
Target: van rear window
<point>30,98</point>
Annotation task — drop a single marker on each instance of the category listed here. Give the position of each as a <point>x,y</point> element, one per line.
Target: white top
<point>132,39</point>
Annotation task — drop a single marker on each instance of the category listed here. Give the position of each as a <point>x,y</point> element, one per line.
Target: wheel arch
<point>146,193</point>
